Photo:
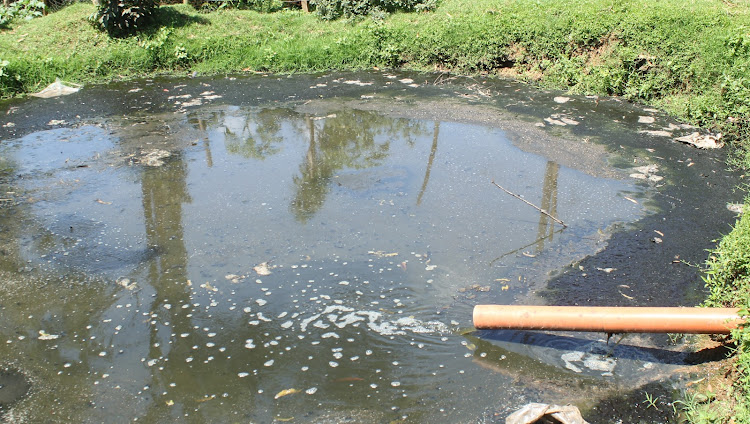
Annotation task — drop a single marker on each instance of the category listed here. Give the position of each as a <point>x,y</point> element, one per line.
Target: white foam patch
<point>305,322</point>
<point>262,318</point>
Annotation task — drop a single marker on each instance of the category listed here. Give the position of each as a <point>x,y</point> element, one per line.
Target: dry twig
<point>529,203</point>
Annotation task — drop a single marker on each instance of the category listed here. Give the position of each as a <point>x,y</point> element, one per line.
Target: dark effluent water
<point>189,255</point>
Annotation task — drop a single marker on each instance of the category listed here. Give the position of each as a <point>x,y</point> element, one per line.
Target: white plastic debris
<point>534,412</point>
<point>57,89</point>
<point>43,335</point>
<point>738,208</point>
<point>705,141</point>
<point>647,172</point>
<point>154,157</point>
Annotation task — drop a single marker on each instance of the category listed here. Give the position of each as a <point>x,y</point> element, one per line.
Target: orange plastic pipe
<point>608,319</point>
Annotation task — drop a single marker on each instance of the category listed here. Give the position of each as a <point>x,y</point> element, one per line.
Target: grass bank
<point>691,58</point>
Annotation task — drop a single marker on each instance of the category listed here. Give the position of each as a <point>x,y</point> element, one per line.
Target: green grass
<point>727,277</point>
<point>690,58</point>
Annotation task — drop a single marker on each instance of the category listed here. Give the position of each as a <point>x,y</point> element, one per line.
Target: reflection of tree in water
<point>430,160</point>
<point>546,229</point>
<point>164,191</point>
<point>254,133</point>
<point>352,139</point>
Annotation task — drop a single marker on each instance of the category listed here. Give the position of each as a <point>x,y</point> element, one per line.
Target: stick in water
<point>529,203</point>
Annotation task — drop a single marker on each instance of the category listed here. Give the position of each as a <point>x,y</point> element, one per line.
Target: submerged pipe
<point>608,319</point>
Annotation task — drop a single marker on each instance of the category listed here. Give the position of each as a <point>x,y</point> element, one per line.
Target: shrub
<point>21,9</point>
<point>121,18</point>
<point>265,6</point>
<point>334,9</point>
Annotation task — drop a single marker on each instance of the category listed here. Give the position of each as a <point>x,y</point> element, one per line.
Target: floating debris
<point>647,172</point>
<point>234,278</point>
<point>43,335</point>
<point>559,120</point>
<point>736,207</point>
<point>125,282</point>
<point>706,141</point>
<point>569,121</point>
<point>286,392</point>
<point>262,269</point>
<point>657,133</point>
<point>318,118</point>
<point>561,99</point>
<point>194,102</point>
<point>553,121</point>
<point>154,157</point>
<point>209,287</point>
<point>57,89</point>
<point>542,412</point>
<point>381,254</point>
<point>357,82</point>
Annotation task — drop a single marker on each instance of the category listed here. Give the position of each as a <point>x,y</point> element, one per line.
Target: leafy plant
<point>334,9</point>
<point>651,401</point>
<point>121,18</point>
<point>157,41</point>
<point>21,9</point>
<point>695,408</point>
<point>207,6</point>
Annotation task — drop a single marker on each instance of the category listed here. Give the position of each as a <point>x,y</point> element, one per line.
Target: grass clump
<point>727,277</point>
<point>727,273</point>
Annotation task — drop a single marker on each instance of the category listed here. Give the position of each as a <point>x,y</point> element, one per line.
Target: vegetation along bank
<point>690,58</point>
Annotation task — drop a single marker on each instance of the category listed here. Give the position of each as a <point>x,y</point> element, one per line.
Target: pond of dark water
<point>309,249</point>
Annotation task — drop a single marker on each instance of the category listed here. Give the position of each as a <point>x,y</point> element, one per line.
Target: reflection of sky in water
<point>372,229</point>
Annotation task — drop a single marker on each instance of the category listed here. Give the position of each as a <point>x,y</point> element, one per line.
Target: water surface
<point>209,259</point>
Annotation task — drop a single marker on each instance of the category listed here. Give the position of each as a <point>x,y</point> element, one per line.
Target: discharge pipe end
<point>687,320</point>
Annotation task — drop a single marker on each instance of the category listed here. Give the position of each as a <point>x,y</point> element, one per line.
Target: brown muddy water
<point>309,249</point>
